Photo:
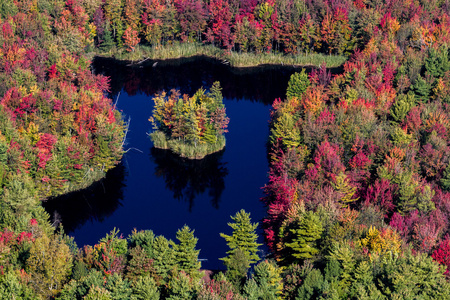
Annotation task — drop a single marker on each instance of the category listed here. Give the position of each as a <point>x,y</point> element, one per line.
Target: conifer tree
<point>402,106</point>
<point>312,286</point>
<point>243,247</point>
<point>297,85</point>
<point>445,180</point>
<point>267,279</point>
<point>305,237</point>
<point>421,89</point>
<point>437,63</point>
<point>243,237</point>
<point>186,256</point>
<point>163,257</point>
<point>108,41</point>
<point>145,288</point>
<point>342,185</point>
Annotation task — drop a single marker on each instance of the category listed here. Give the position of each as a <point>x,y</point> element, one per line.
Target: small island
<point>191,127</point>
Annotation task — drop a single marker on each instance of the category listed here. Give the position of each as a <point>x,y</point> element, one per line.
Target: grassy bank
<point>235,59</point>
<point>185,149</point>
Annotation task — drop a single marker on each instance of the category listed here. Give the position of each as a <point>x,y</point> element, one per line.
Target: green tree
<point>243,237</point>
<point>297,85</point>
<point>49,264</point>
<point>144,239</point>
<point>363,286</point>
<point>305,237</point>
<point>163,257</point>
<point>237,268</point>
<point>414,277</point>
<point>312,286</point>
<point>113,11</point>
<point>421,89</point>
<point>182,286</point>
<point>445,180</point>
<point>144,288</point>
<point>437,62</point>
<point>7,8</point>
<point>267,278</point>
<point>108,40</point>
<point>186,256</point>
<point>243,247</point>
<point>12,288</point>
<point>402,106</point>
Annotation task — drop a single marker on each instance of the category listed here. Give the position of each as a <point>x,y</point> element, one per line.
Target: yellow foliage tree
<point>49,264</point>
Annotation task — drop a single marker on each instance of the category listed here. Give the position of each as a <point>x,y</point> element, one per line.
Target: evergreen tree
<point>437,62</point>
<point>402,106</point>
<point>312,286</point>
<point>186,256</point>
<point>144,239</point>
<point>243,248</point>
<point>267,280</point>
<point>243,237</point>
<point>182,286</point>
<point>108,40</point>
<point>237,268</point>
<point>445,180</point>
<point>144,288</point>
<point>421,89</point>
<point>163,257</point>
<point>12,288</point>
<point>297,85</point>
<point>305,237</point>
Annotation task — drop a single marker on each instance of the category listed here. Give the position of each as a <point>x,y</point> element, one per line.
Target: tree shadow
<point>95,203</point>
<point>188,178</point>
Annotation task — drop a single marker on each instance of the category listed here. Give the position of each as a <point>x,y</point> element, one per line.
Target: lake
<point>154,189</point>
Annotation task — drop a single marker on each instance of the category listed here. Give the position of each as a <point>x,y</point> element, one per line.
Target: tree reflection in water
<point>94,203</point>
<point>187,178</point>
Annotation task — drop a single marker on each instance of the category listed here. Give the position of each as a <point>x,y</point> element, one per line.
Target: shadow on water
<point>262,83</point>
<point>94,203</point>
<point>189,178</point>
<point>155,189</point>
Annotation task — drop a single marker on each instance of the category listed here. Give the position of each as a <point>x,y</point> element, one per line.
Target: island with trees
<point>192,127</point>
<point>358,193</point>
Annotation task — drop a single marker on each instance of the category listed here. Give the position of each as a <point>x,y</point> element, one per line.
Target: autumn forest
<point>357,195</point>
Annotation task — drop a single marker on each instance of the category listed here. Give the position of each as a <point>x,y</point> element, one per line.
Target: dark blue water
<point>154,189</point>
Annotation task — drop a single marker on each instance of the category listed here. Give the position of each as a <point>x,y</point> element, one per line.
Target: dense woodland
<point>358,197</point>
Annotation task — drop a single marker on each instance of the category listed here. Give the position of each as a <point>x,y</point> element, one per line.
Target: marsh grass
<point>235,59</point>
<point>186,149</point>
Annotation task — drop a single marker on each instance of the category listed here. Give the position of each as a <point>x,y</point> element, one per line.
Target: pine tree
<point>437,62</point>
<point>163,257</point>
<point>145,288</point>
<point>341,185</point>
<point>421,89</point>
<point>297,85</point>
<point>267,278</point>
<point>305,237</point>
<point>243,248</point>
<point>108,41</point>
<point>445,180</point>
<point>186,256</point>
<point>312,286</point>
<point>243,237</point>
<point>402,106</point>
<point>182,286</point>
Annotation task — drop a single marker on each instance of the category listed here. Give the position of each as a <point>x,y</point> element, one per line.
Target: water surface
<point>154,189</point>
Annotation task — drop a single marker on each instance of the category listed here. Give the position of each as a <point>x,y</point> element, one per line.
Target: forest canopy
<point>359,185</point>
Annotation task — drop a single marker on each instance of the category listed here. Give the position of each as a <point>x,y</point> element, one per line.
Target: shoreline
<point>144,55</point>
